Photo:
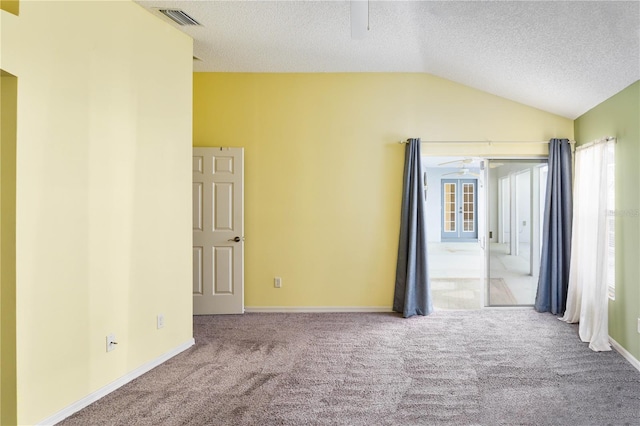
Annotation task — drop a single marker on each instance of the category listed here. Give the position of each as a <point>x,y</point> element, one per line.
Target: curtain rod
<point>597,141</point>
<point>489,142</point>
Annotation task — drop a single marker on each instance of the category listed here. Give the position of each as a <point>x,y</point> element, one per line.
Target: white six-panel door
<point>218,231</point>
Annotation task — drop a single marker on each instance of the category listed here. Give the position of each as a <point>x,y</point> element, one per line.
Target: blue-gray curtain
<point>412,291</point>
<point>553,281</point>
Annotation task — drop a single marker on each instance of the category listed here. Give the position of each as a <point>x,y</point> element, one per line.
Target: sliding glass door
<point>516,191</point>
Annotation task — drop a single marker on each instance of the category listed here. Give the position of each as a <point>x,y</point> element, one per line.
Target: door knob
<point>237,239</point>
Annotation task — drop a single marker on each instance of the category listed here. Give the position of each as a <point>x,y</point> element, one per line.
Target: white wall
<point>523,192</point>
<point>493,206</point>
<point>523,205</point>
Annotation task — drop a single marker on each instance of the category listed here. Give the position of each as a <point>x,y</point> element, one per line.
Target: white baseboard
<point>314,309</point>
<point>625,353</point>
<point>105,390</point>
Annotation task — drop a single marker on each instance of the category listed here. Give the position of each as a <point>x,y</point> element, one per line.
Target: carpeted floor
<point>483,367</point>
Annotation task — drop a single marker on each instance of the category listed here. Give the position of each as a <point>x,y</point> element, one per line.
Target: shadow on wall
<point>8,118</point>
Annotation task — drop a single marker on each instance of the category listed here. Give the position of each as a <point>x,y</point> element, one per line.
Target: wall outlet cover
<point>111,342</point>
<point>160,321</point>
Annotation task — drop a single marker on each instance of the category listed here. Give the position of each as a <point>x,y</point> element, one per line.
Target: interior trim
<point>625,353</point>
<point>105,390</point>
<point>311,309</point>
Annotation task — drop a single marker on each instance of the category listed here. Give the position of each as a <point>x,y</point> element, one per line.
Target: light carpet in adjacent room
<point>466,293</point>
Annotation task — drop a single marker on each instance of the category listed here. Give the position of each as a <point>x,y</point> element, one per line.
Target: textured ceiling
<point>562,57</point>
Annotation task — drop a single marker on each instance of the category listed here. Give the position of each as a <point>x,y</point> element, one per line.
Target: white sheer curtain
<point>587,298</point>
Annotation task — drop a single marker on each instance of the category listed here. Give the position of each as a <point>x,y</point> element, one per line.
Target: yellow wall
<point>324,169</point>
<point>103,194</point>
<point>11,6</point>
<point>8,103</point>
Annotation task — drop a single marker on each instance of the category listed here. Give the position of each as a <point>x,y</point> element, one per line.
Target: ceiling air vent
<point>179,17</point>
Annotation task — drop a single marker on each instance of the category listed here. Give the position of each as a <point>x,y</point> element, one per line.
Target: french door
<point>459,218</point>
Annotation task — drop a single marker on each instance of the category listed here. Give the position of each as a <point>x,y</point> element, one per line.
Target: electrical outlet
<point>277,282</point>
<point>160,321</point>
<point>111,342</point>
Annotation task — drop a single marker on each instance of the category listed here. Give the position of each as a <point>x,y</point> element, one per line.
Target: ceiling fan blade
<point>474,174</point>
<point>494,165</point>
<point>462,160</point>
<point>359,19</point>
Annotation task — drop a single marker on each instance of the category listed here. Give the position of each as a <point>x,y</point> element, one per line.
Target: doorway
<point>218,231</point>
<point>455,209</point>
<point>484,222</point>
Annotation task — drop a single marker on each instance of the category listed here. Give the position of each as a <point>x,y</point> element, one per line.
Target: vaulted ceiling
<point>564,57</point>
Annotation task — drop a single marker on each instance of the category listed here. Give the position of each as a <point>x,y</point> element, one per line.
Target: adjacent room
<point>483,249</point>
<point>319,212</point>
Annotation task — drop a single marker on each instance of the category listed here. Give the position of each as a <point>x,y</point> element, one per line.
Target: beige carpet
<point>482,367</point>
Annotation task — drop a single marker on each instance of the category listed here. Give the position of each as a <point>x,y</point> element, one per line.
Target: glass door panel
<point>513,253</point>
<point>449,208</point>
